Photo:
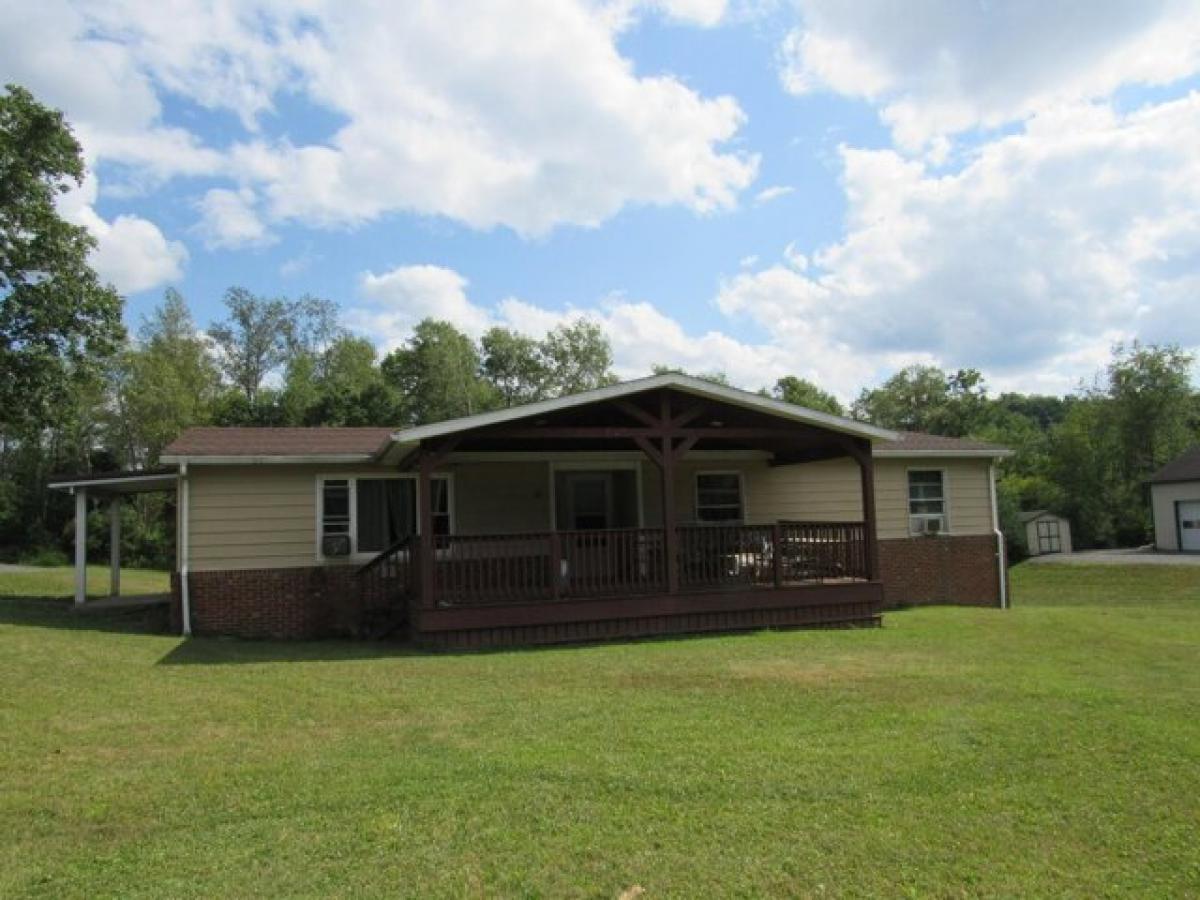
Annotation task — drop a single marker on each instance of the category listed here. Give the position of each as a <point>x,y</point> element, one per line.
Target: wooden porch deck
<point>527,588</point>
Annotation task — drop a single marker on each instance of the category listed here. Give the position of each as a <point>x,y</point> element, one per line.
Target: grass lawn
<point>59,581</point>
<point>1050,750</point>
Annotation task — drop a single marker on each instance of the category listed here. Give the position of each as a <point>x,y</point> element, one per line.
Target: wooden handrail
<point>383,555</point>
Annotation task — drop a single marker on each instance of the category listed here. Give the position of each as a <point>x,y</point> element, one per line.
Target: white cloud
<point>641,336</point>
<point>945,66</point>
<point>135,256</point>
<point>405,295</point>
<point>1044,249</point>
<point>131,252</point>
<point>539,122</point>
<point>228,219</point>
<point>766,195</point>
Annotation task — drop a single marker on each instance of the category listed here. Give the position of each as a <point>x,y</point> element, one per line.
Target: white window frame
<point>910,515</point>
<point>741,482</point>
<point>352,482</point>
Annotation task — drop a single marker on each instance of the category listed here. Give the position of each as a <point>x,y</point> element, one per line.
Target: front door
<point>1189,524</point>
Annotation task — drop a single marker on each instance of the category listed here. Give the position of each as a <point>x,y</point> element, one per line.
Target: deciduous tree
<point>58,323</point>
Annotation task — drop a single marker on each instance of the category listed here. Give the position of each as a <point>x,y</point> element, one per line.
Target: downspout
<point>1001,567</point>
<point>186,609</point>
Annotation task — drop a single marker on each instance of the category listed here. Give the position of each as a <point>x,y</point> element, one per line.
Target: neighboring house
<point>1046,533</point>
<point>1175,503</point>
<point>667,504</point>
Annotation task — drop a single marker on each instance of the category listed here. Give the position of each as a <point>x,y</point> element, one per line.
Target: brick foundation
<point>324,601</point>
<point>946,569</point>
<point>269,603</point>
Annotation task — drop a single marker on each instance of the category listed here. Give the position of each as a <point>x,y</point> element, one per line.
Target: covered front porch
<point>625,554</point>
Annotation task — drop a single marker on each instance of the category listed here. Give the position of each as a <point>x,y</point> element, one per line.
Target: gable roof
<point>277,444</point>
<point>1030,515</point>
<point>919,444</point>
<point>1183,468</point>
<point>331,444</point>
<point>687,384</point>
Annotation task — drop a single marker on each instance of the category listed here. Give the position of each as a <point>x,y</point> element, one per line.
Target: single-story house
<point>666,504</point>
<point>1045,532</point>
<point>1175,503</point>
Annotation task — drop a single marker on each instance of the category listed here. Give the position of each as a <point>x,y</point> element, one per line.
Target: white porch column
<point>80,546</point>
<point>114,553</point>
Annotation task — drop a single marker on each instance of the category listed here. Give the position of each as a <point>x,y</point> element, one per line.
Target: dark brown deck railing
<point>613,561</point>
<point>720,556</point>
<point>537,567</point>
<point>823,551</point>
<point>389,577</point>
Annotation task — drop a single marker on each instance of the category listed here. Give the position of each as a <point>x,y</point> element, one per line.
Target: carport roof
<point>134,481</point>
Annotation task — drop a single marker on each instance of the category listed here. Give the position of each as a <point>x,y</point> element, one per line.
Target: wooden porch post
<point>866,464</point>
<point>114,550</point>
<point>667,470</point>
<point>670,535</point>
<point>80,546</point>
<point>425,527</point>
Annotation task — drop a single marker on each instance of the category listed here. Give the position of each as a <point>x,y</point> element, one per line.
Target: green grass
<point>1070,584</point>
<point>59,581</point>
<point>1051,750</point>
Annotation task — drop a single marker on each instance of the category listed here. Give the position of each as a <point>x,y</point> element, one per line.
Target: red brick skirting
<point>945,569</point>
<point>269,603</point>
<point>317,602</point>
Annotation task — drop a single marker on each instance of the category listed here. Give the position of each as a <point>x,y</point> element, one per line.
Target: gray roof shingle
<point>1182,468</point>
<point>216,441</point>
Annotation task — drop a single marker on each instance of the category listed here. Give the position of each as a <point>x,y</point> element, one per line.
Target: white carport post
<point>80,546</point>
<point>114,552</point>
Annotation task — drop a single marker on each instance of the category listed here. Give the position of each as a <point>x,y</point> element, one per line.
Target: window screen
<point>718,497</point>
<point>926,502</point>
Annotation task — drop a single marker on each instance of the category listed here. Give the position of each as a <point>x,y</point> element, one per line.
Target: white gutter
<point>998,453</point>
<point>1001,561</point>
<point>185,605</point>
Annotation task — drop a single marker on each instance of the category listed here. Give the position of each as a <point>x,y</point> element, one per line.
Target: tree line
<point>77,393</point>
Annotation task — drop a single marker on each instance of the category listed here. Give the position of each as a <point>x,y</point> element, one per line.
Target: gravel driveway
<point>1136,556</point>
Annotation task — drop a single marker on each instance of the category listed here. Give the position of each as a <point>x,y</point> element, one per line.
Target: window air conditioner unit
<point>931,527</point>
<point>335,545</point>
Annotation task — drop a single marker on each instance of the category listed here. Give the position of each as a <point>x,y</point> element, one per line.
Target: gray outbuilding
<point>1175,503</point>
<point>1046,532</point>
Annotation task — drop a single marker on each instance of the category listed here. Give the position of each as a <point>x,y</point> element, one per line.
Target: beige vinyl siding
<point>969,507</point>
<point>826,491</point>
<point>499,497</point>
<point>831,491</point>
<point>252,517</point>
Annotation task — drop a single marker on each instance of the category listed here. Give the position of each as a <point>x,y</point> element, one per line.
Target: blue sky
<point>821,188</point>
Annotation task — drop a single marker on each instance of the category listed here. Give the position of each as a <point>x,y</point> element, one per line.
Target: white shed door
<point>1189,525</point>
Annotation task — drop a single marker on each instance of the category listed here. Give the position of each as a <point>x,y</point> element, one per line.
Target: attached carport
<point>109,488</point>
